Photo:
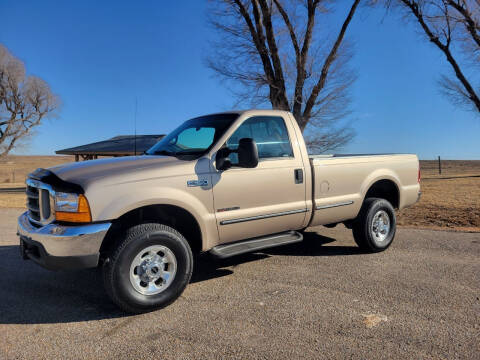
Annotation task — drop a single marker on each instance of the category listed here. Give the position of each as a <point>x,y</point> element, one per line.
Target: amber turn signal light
<point>81,216</point>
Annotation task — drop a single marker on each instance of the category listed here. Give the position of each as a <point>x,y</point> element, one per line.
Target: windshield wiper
<point>165,152</point>
<point>188,152</point>
<point>176,154</point>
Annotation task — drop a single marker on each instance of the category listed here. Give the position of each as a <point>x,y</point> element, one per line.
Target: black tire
<point>363,233</point>
<point>116,270</point>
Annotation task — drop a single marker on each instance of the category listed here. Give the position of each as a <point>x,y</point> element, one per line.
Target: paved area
<point>319,299</point>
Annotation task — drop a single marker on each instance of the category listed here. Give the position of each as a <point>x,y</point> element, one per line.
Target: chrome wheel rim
<point>380,225</point>
<point>153,270</point>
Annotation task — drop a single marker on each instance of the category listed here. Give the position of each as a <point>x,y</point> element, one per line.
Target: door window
<point>270,134</point>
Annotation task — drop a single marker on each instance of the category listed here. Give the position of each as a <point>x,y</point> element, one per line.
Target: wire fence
<point>439,167</point>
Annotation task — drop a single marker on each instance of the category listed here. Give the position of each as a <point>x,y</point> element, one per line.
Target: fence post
<point>439,165</point>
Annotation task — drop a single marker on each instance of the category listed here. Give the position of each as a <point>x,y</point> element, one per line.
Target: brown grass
<point>450,200</point>
<point>14,170</point>
<point>12,200</point>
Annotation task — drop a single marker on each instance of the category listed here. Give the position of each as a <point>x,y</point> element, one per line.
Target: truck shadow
<point>313,245</point>
<point>32,295</point>
<point>207,267</point>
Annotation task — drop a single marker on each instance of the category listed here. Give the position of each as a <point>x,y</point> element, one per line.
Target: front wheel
<point>149,269</point>
<point>375,226</point>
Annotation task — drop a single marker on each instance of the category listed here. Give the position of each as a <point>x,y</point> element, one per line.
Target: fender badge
<point>192,183</point>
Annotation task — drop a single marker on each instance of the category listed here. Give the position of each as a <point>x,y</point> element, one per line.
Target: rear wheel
<point>149,269</point>
<point>375,226</point>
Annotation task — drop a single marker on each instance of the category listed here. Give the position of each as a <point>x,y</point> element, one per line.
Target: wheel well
<point>170,215</point>
<point>385,189</point>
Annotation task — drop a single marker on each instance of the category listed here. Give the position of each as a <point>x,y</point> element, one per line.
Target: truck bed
<point>340,182</point>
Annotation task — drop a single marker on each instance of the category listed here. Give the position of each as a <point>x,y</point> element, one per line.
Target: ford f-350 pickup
<point>226,184</point>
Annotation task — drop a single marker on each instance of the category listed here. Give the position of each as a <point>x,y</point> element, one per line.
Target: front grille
<point>38,202</point>
<point>33,203</point>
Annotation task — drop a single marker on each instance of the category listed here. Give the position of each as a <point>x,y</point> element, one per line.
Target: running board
<point>254,244</point>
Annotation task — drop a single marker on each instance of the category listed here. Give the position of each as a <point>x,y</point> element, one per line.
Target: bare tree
<point>277,52</point>
<point>24,101</point>
<point>453,26</point>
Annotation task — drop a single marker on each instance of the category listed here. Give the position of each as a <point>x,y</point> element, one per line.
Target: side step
<point>254,244</point>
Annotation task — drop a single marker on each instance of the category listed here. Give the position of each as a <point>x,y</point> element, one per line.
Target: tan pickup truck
<point>225,183</point>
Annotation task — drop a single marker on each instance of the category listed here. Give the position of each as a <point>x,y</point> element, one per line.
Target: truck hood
<point>84,172</point>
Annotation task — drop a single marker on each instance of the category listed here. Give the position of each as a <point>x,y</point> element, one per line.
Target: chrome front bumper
<point>65,246</point>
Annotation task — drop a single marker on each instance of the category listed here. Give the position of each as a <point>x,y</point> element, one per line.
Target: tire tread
<point>132,234</point>
<point>360,228</point>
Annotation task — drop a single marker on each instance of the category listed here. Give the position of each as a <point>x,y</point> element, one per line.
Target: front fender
<point>198,202</point>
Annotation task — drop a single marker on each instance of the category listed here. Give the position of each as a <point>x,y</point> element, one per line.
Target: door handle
<point>298,176</point>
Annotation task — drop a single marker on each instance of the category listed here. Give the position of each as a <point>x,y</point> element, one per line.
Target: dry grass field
<point>449,201</point>
<point>14,170</point>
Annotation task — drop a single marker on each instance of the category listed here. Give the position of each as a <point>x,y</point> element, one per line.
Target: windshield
<point>194,137</point>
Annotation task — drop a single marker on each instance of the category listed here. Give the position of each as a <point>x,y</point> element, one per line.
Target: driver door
<point>263,200</point>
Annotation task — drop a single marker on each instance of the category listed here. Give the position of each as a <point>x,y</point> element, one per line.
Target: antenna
<point>135,128</point>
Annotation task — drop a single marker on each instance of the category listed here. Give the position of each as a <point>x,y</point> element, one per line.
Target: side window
<point>270,134</point>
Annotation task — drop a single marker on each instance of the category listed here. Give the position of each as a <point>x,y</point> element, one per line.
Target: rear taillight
<point>419,175</point>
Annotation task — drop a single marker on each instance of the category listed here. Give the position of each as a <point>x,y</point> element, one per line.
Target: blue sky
<point>100,56</point>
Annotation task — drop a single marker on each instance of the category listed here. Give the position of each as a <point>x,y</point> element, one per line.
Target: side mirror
<point>247,153</point>
<point>222,162</point>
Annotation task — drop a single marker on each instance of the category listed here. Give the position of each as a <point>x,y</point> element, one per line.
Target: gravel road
<point>318,299</point>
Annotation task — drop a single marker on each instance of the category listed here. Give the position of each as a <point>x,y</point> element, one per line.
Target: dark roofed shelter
<point>123,145</point>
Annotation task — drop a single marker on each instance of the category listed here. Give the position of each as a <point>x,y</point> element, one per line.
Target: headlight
<point>72,208</point>
<point>66,202</point>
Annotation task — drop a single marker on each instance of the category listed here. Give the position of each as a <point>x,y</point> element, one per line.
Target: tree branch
<point>468,22</point>
<point>414,8</point>
<point>259,42</point>
<point>289,25</point>
<point>328,62</point>
<point>281,101</point>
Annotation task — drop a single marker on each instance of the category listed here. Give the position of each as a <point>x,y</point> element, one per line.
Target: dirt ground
<point>14,170</point>
<point>449,200</point>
